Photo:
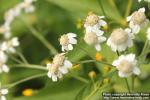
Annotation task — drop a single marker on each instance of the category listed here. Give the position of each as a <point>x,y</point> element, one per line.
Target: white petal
<point>130,57</point>
<point>63,70</point>
<point>129,18</point>
<point>2,98</point>
<point>128,30</point>
<point>49,74</point>
<point>70,47</point>
<point>71,35</point>
<point>4,91</point>
<point>59,75</point>
<point>98,47</point>
<point>115,63</point>
<point>54,78</point>
<point>101,17</point>
<point>12,50</point>
<point>136,71</point>
<point>101,39</point>
<point>136,29</point>
<point>142,9</point>
<point>15,41</point>
<point>67,64</point>
<point>5,68</point>
<point>72,41</point>
<point>102,23</point>
<point>62,48</point>
<point>122,74</point>
<point>49,65</point>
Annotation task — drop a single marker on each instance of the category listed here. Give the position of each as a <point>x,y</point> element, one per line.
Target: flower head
<point>93,20</point>
<point>27,6</point>
<point>58,67</point>
<point>120,39</point>
<point>67,40</point>
<point>3,92</point>
<point>126,65</point>
<point>94,37</point>
<point>3,60</point>
<point>10,45</point>
<point>137,20</point>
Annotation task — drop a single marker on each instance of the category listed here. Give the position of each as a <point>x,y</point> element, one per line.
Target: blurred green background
<point>51,19</point>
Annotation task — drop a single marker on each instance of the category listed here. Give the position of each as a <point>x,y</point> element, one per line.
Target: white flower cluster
<point>60,64</point>
<point>137,20</point>
<point>3,92</point>
<point>148,34</point>
<point>58,67</point>
<point>93,33</point>
<point>9,44</point>
<point>10,15</point>
<point>126,65</point>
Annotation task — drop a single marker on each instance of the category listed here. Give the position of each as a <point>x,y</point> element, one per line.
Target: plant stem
<point>80,78</point>
<point>39,36</point>
<point>132,86</point>
<point>15,59</point>
<point>88,61</point>
<point>29,66</point>
<point>118,54</point>
<point>22,57</point>
<point>128,8</point>
<point>127,84</point>
<point>101,6</point>
<point>24,80</point>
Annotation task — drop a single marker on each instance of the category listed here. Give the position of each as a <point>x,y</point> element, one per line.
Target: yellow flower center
<point>138,17</point>
<point>125,66</point>
<point>119,36</point>
<point>91,38</point>
<point>92,19</point>
<point>64,40</point>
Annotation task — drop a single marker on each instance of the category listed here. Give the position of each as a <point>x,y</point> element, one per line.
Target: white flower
<point>126,65</point>
<point>10,45</point>
<point>67,40</point>
<point>94,38</point>
<point>3,92</point>
<point>3,60</point>
<point>120,39</point>
<point>58,67</point>
<point>27,5</point>
<point>5,30</point>
<point>93,20</point>
<point>148,34</point>
<point>137,20</point>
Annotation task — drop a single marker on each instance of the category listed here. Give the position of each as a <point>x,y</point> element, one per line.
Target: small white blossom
<point>58,67</point>
<point>27,5</point>
<point>137,20</point>
<point>126,65</point>
<point>148,34</point>
<point>67,40</point>
<point>5,30</point>
<point>3,92</point>
<point>94,38</point>
<point>3,60</point>
<point>93,20</point>
<point>10,45</point>
<point>120,39</point>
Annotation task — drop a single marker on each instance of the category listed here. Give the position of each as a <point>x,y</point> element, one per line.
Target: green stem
<point>128,8</point>
<point>146,46</point>
<point>29,66</point>
<point>24,80</point>
<point>89,61</point>
<point>22,57</point>
<point>101,6</point>
<point>127,84</point>
<point>15,59</point>
<point>132,87</point>
<point>39,36</point>
<point>80,79</point>
<point>118,54</point>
